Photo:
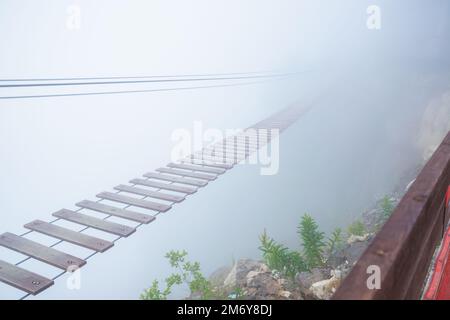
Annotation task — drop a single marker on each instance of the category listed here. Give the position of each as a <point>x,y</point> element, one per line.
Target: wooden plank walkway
<point>40,252</point>
<point>184,177</point>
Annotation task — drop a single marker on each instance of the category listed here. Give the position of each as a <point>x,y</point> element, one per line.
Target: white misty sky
<point>55,152</point>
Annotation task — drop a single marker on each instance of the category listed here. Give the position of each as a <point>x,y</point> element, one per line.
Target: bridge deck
<point>185,177</point>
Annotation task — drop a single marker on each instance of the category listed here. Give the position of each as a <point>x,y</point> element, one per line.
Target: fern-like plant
<point>312,240</point>
<point>357,228</point>
<point>335,242</point>
<point>279,258</point>
<point>387,207</point>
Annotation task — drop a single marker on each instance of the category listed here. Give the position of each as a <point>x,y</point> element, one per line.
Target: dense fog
<point>379,98</point>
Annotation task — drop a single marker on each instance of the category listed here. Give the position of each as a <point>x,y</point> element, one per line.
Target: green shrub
<point>357,228</point>
<point>387,207</point>
<point>188,273</point>
<point>280,258</point>
<point>288,262</point>
<point>312,241</point>
<point>335,241</point>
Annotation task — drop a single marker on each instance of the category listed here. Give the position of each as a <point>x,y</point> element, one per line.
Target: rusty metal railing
<point>404,247</point>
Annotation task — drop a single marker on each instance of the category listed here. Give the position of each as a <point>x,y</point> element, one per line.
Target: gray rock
<point>304,280</point>
<point>218,277</point>
<point>256,281</point>
<point>237,275</point>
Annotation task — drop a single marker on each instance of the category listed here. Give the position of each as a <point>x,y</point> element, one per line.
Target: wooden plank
<point>239,146</point>
<point>252,142</point>
<point>220,156</point>
<point>149,193</point>
<point>116,212</point>
<point>197,168</point>
<point>68,235</point>
<point>40,252</point>
<point>165,177</point>
<point>150,205</point>
<point>206,163</point>
<point>247,137</point>
<point>103,225</point>
<point>215,160</point>
<point>164,186</point>
<point>215,153</point>
<point>251,133</point>
<point>22,279</point>
<point>195,175</point>
<point>240,150</point>
<point>232,146</point>
<point>229,153</point>
<point>220,159</point>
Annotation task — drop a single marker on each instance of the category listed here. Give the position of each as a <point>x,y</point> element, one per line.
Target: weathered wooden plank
<point>230,152</point>
<point>249,137</point>
<point>241,145</point>
<point>149,193</point>
<point>40,252</point>
<point>238,145</point>
<point>251,142</point>
<point>233,145</point>
<point>235,153</point>
<point>213,160</point>
<point>150,205</point>
<point>103,225</point>
<point>164,186</point>
<point>202,176</point>
<point>197,168</point>
<point>68,235</point>
<point>117,212</point>
<point>221,156</point>
<point>221,159</point>
<point>212,152</point>
<point>216,160</point>
<point>207,163</point>
<point>165,177</point>
<point>22,279</point>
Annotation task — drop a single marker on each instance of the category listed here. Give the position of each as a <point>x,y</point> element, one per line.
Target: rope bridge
<point>184,177</point>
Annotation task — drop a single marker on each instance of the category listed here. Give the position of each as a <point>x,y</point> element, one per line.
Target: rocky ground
<point>255,281</point>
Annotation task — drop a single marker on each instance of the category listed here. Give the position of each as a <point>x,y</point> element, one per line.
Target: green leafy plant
<point>336,241</point>
<point>237,294</point>
<point>288,262</point>
<point>316,248</point>
<point>387,207</point>
<point>154,293</point>
<point>189,273</point>
<point>357,228</point>
<point>312,240</point>
<point>280,258</point>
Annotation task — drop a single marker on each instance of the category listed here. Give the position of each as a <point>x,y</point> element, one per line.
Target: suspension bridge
<point>182,178</point>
